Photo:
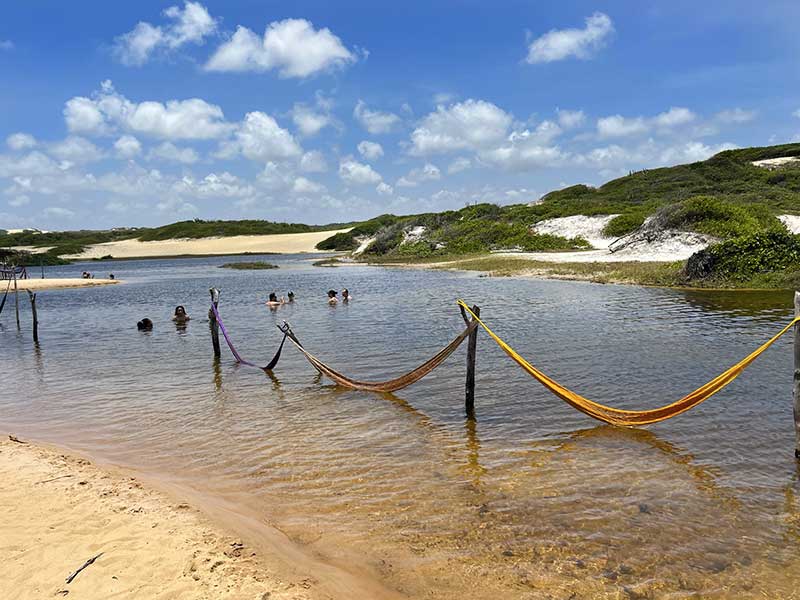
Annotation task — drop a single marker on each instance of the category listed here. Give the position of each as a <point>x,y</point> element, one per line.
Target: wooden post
<point>213,323</point>
<point>797,378</point>
<point>32,296</point>
<point>472,346</point>
<point>16,293</point>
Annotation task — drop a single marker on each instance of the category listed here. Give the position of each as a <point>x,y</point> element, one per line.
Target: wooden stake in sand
<point>16,293</point>
<point>472,347</point>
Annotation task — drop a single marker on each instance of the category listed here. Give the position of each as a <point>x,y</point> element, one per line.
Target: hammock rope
<point>270,366</point>
<point>391,385</point>
<point>631,418</point>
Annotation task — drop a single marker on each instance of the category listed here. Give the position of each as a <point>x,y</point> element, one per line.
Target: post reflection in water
<point>525,498</point>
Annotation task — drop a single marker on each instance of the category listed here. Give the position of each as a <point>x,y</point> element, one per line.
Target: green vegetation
<point>763,259</point>
<point>326,262</point>
<point>248,266</point>
<point>478,228</point>
<point>29,259</point>
<point>74,242</point>
<point>199,228</point>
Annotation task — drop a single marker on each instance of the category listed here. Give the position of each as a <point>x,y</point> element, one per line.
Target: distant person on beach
<point>180,315</point>
<point>145,325</point>
<point>346,297</point>
<point>274,301</point>
<point>290,296</point>
<point>332,299</point>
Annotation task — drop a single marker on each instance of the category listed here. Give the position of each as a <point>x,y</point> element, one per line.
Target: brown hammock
<point>381,386</point>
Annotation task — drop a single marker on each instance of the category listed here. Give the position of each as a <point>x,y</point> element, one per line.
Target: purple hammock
<point>236,355</point>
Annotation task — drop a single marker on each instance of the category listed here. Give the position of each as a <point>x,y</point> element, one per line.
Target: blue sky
<point>333,111</point>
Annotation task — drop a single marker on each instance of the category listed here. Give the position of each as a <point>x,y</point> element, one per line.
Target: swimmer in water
<point>180,315</point>
<point>332,299</point>
<point>145,325</point>
<point>346,297</point>
<point>273,300</point>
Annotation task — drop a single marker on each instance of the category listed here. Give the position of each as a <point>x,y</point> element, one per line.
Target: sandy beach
<point>60,510</point>
<point>285,243</point>
<point>36,284</point>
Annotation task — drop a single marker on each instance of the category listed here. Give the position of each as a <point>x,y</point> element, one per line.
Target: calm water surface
<point>534,500</point>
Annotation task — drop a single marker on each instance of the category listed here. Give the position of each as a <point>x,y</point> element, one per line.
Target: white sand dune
<point>284,243</point>
<point>589,228</point>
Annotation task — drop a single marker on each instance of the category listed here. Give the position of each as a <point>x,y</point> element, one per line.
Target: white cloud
<point>259,137</point>
<point>192,24</point>
<point>559,44</point>
<point>796,113</point>
<point>75,149</point>
<point>308,120</point>
<point>32,164</point>
<point>176,119</point>
<point>20,200</point>
<point>648,154</point>
<point>736,115</point>
<point>458,165</point>
<point>313,162</point>
<point>674,117</point>
<point>414,177</point>
<point>370,150</point>
<point>21,141</point>
<point>569,119</point>
<point>619,126</point>
<point>470,125</point>
<point>170,152</point>
<point>127,146</point>
<point>352,171</point>
<point>384,189</point>
<point>6,45</point>
<point>375,121</point>
<point>292,46</point>
<point>58,212</point>
<point>306,186</point>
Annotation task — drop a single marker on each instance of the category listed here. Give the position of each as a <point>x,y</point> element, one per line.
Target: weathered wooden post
<point>796,391</point>
<point>472,347</point>
<point>32,296</point>
<point>16,293</point>
<point>213,322</point>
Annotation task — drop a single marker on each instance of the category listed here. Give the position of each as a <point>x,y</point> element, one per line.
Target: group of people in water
<point>87,275</point>
<point>180,317</point>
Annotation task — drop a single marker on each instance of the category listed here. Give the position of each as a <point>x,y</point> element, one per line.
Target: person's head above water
<point>290,295</point>
<point>331,293</point>
<point>180,311</point>
<point>144,325</point>
<point>273,297</point>
<point>345,293</point>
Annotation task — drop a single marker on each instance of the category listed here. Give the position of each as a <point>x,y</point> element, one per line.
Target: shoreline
<point>55,283</point>
<point>660,274</point>
<point>154,539</point>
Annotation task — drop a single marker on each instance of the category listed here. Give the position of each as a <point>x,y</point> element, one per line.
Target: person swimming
<point>274,301</point>
<point>145,325</point>
<point>290,296</point>
<point>180,315</point>
<point>346,297</point>
<point>332,299</point>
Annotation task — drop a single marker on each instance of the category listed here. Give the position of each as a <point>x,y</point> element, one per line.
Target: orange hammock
<point>630,418</point>
<point>382,386</point>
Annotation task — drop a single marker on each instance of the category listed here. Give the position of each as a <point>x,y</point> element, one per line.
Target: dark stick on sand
<point>82,567</point>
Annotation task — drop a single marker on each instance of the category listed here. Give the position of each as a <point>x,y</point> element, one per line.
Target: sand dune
<point>285,243</point>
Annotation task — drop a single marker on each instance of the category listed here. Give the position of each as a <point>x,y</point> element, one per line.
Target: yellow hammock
<point>630,418</point>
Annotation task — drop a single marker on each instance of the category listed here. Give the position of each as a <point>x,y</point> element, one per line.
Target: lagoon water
<point>532,500</point>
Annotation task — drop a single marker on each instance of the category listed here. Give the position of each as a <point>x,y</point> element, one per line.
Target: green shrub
<point>719,217</point>
<point>342,242</point>
<point>743,258</point>
<point>625,223</point>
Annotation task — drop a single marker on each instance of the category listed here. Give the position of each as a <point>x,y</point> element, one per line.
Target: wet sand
<point>60,511</point>
<point>36,284</point>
